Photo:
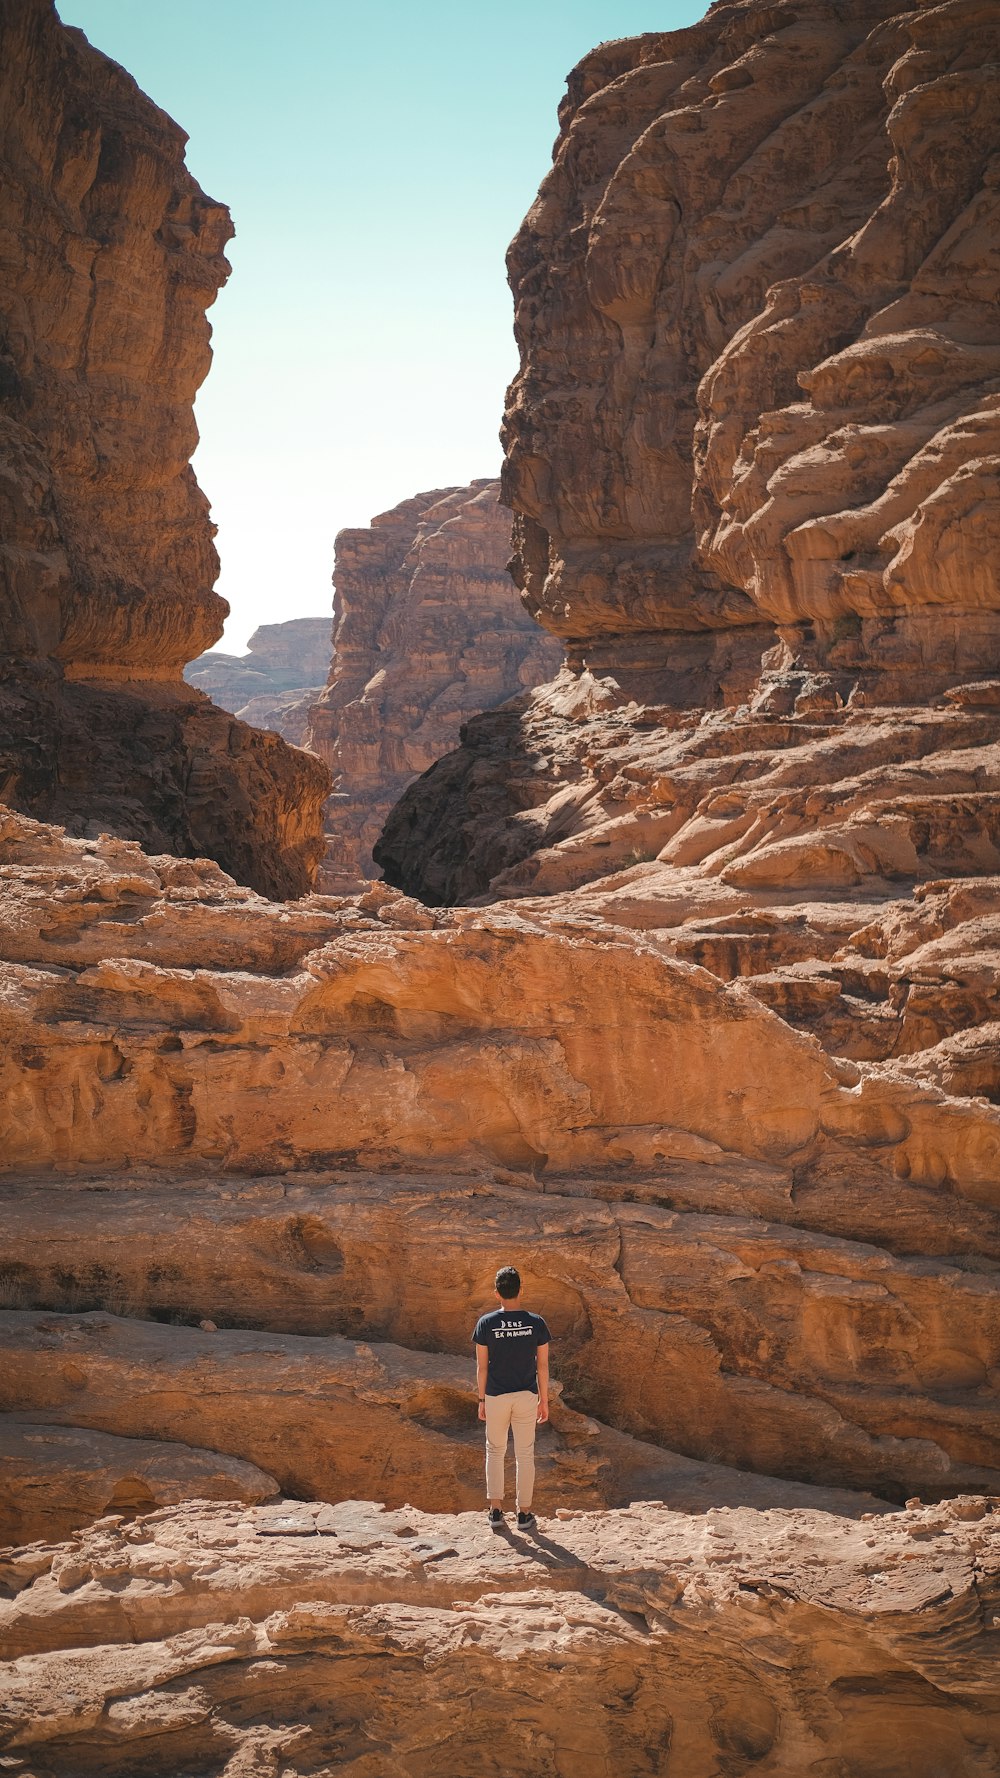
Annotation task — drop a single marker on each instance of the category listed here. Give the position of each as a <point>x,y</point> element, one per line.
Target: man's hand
<point>543,1382</point>
<point>482,1372</point>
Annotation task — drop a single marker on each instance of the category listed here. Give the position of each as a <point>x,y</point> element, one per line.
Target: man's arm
<point>482,1361</point>
<point>542,1360</point>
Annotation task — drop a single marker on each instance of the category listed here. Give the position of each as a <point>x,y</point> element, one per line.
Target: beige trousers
<point>518,1411</point>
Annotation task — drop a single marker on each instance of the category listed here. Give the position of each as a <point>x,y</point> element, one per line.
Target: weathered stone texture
<point>162,1016</point>
<point>111,256</point>
<point>275,684</point>
<point>713,1057</point>
<point>331,1419</point>
<point>428,630</point>
<point>756,303</point>
<point>753,447</point>
<point>54,1479</point>
<point>301,1639</point>
<point>778,1349</point>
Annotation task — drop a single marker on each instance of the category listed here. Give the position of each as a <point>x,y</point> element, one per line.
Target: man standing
<point>512,1370</point>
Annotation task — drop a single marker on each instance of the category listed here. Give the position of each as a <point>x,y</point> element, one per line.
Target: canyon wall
<point>684,999</point>
<point>112,254</point>
<point>428,631</point>
<point>275,684</point>
<point>768,249</point>
<point>808,1241</point>
<point>752,448</point>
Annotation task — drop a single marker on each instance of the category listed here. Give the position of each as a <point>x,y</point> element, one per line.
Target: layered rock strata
<point>275,684</point>
<point>112,256</point>
<point>350,1638</point>
<point>763,1331</point>
<point>54,1479</point>
<point>428,630</point>
<point>766,257</point>
<point>713,1058</point>
<point>789,1200</point>
<point>752,449</point>
<point>333,1419</point>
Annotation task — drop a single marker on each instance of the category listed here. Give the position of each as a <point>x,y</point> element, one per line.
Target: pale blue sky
<point>377,159</point>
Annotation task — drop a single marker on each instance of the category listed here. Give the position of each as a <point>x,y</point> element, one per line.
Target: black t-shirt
<point>512,1337</point>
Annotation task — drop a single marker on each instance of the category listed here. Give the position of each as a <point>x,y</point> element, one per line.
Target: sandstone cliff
<point>112,256</point>
<point>752,449</point>
<point>428,630</point>
<point>714,1058</point>
<point>808,1240</point>
<point>275,684</point>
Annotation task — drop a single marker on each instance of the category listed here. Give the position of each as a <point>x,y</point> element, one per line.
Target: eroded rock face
<point>761,1330</point>
<point>428,630</point>
<point>154,1015</point>
<point>714,1059</point>
<point>54,1479</point>
<point>637,1642</point>
<point>332,1418</point>
<point>275,684</point>
<point>756,304</point>
<point>112,256</point>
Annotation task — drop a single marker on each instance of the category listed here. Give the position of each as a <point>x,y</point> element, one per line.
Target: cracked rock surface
<point>300,1638</point>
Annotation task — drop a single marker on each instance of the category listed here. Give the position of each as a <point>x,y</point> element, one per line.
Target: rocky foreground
<point>684,998</point>
<point>293,1638</point>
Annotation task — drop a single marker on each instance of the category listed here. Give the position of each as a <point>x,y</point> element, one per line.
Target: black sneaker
<point>525,1521</point>
<point>494,1517</point>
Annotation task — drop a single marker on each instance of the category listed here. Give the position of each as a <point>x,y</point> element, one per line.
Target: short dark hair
<point>508,1282</point>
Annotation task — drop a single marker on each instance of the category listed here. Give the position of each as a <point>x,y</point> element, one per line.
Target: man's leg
<point>498,1409</point>
<point>524,1419</point>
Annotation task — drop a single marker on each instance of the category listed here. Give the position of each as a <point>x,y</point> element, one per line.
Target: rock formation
<point>428,631</point>
<point>112,255</point>
<point>684,1000</point>
<point>752,449</point>
<point>286,1638</point>
<point>54,1479</point>
<point>275,684</point>
<point>785,1222</point>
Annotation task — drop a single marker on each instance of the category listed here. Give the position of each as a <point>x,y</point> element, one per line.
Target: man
<point>512,1371</point>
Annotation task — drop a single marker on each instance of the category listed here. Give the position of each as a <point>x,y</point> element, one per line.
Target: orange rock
<point>276,682</point>
<point>756,302</point>
<point>112,256</point>
<point>311,1636</point>
<point>778,1349</point>
<point>713,1054</point>
<point>428,630</point>
<point>334,1419</point>
<point>56,1478</point>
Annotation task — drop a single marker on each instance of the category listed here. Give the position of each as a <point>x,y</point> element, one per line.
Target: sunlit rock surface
<point>766,256</point>
<point>752,454</point>
<point>276,682</point>
<point>298,1638</point>
<point>779,1220</point>
<point>686,1004</point>
<point>428,631</point>
<point>111,256</point>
